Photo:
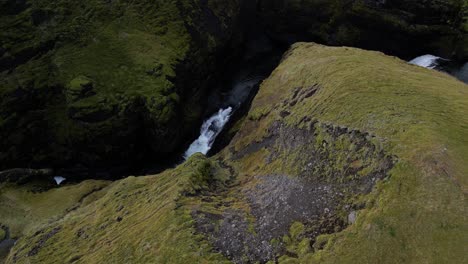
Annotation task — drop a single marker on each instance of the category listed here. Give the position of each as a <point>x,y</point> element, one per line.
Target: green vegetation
<point>90,76</point>
<point>140,220</point>
<point>416,114</point>
<point>25,208</point>
<point>349,110</point>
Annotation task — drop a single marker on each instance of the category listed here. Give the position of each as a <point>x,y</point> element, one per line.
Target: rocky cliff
<point>346,156</point>
<point>104,83</point>
<point>108,84</point>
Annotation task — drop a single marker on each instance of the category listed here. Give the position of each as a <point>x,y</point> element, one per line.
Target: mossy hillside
<point>417,115</point>
<point>25,208</point>
<point>432,26</point>
<point>138,220</point>
<point>348,103</point>
<point>136,59</point>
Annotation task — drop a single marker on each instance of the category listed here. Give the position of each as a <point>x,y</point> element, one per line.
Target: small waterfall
<point>213,126</point>
<point>59,179</point>
<point>454,68</point>
<point>427,61</point>
<point>236,91</point>
<point>209,131</point>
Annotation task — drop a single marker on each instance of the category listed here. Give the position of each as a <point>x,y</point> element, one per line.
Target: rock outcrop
<point>346,156</point>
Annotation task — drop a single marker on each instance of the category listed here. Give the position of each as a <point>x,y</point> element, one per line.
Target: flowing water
<point>241,89</point>
<point>437,63</point>
<point>248,77</point>
<point>427,61</point>
<point>208,132</point>
<point>230,99</point>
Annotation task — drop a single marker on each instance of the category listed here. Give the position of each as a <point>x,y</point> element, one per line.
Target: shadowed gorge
<point>214,131</point>
<point>101,89</point>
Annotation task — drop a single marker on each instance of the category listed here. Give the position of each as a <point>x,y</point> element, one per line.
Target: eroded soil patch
<point>319,170</point>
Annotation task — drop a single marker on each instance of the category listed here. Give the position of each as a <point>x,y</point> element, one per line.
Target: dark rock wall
<point>405,28</point>
<point>106,84</point>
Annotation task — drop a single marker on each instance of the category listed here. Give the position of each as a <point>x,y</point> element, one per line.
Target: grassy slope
<point>417,216</point>
<point>23,208</point>
<point>138,220</point>
<point>417,114</point>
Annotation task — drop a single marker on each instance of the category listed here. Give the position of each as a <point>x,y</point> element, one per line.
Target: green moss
<point>92,68</point>
<point>23,208</point>
<point>304,247</point>
<point>415,215</point>
<point>79,82</point>
<point>258,113</point>
<point>145,219</point>
<point>296,230</point>
<point>415,114</point>
<point>2,234</point>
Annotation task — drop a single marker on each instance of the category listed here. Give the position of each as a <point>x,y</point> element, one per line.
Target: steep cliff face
<point>106,84</point>
<point>347,156</point>
<point>102,83</point>
<point>406,28</point>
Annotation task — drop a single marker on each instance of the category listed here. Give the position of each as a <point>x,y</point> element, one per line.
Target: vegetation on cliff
<point>347,156</point>
<point>103,83</point>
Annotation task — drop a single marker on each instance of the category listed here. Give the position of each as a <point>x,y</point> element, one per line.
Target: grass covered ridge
<point>349,113</point>
<point>418,115</point>
<point>136,220</point>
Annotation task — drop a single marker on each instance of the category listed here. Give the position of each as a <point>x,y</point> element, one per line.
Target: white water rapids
<point>59,179</point>
<point>214,125</point>
<point>209,131</point>
<point>429,61</point>
<point>426,61</point>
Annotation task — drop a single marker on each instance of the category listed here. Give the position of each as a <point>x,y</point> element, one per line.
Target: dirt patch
<point>323,168</point>
<point>232,235</point>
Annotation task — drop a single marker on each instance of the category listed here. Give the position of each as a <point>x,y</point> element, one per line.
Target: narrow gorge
<point>214,131</point>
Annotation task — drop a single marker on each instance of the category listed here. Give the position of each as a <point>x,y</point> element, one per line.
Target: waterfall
<point>209,131</point>
<point>454,68</point>
<point>59,179</point>
<point>213,126</point>
<point>426,61</point>
<point>235,91</point>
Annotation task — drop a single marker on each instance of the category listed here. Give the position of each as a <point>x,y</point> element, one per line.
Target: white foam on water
<point>426,61</point>
<point>59,179</point>
<point>208,132</point>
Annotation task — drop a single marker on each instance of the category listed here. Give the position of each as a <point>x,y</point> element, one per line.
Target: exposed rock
<point>352,217</point>
<point>332,166</point>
